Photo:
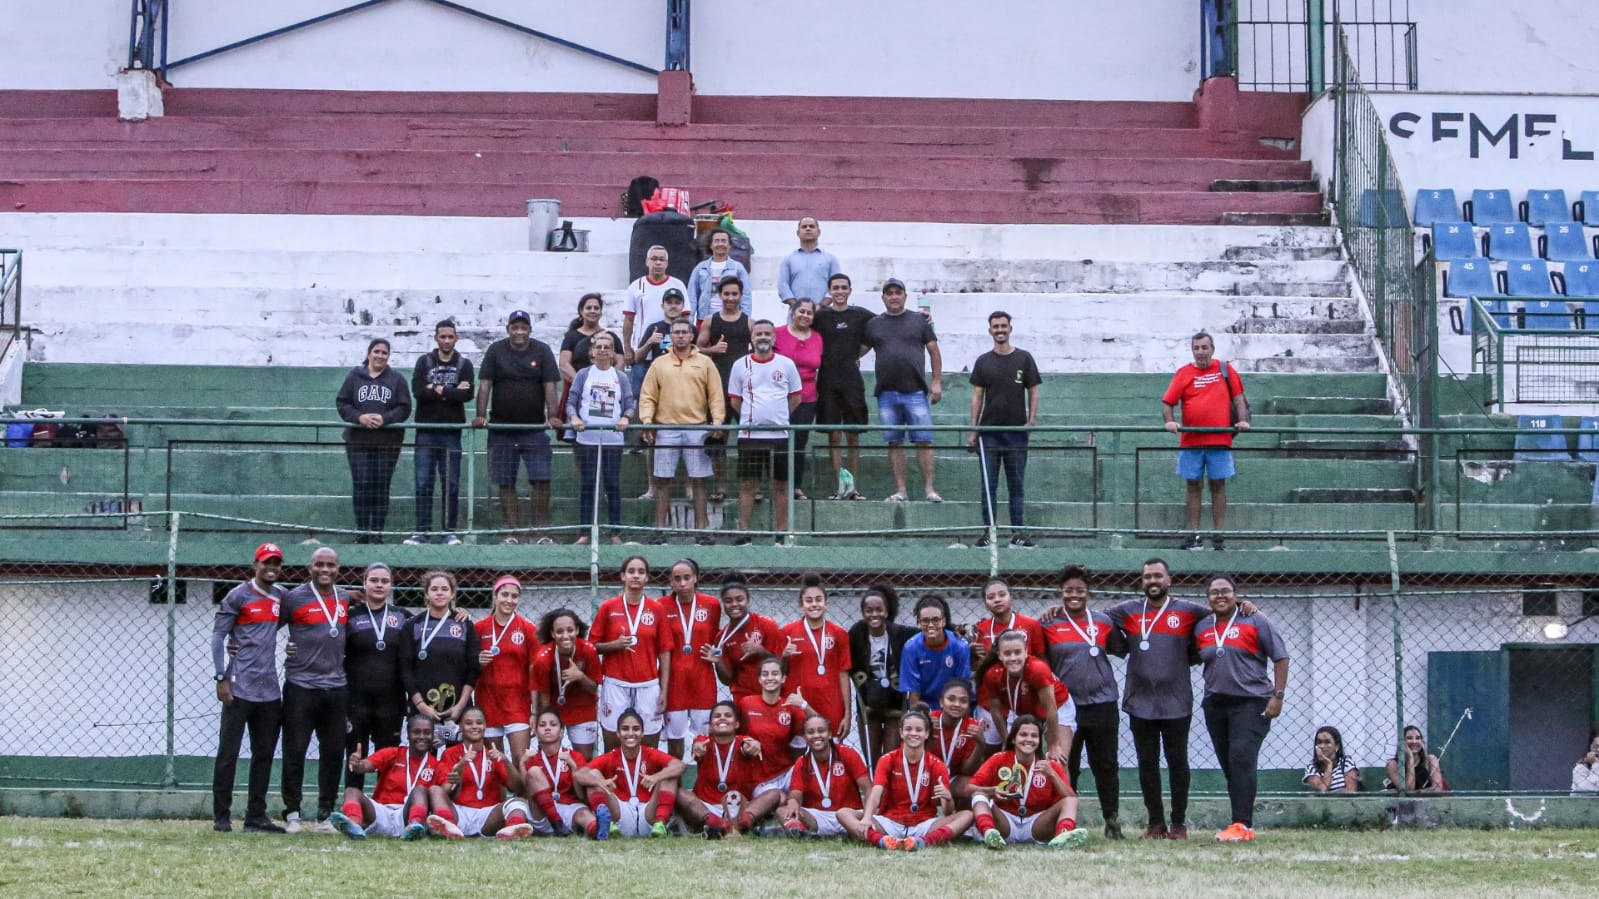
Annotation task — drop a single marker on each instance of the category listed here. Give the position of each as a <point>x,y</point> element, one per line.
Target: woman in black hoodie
<point>373,398</point>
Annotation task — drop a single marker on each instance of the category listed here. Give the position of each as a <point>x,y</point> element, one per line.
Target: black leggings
<point>1098,728</point>
<point>264,720</point>
<point>1149,735</point>
<point>307,711</point>
<point>371,473</point>
<point>1238,726</point>
<point>374,724</point>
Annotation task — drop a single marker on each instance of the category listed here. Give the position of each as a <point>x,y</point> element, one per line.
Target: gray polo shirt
<point>1071,651</point>
<point>318,627</point>
<point>803,274</point>
<point>250,617</point>
<point>1242,668</point>
<point>1157,678</point>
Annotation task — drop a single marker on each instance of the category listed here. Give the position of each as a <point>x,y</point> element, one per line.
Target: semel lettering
<point>1507,131</point>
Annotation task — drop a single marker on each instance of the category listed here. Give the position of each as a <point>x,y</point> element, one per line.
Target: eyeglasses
<point>1222,591</point>
<point>929,622</point>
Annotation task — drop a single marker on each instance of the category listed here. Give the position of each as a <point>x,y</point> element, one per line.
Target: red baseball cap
<point>268,551</point>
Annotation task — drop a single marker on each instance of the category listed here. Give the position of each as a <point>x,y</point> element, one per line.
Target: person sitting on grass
<point>398,806</point>
<point>1422,773</point>
<point>1020,796</point>
<point>910,805</point>
<point>471,801</point>
<point>633,788</point>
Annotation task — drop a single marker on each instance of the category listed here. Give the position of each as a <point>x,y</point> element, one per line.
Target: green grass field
<point>54,857</point>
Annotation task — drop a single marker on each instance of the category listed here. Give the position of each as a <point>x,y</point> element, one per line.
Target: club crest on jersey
<point>838,769</point>
<point>277,609</point>
<point>455,630</point>
<point>1039,781</point>
<point>647,618</point>
<point>1232,632</point>
<point>1093,631</point>
<point>1172,621</point>
<point>702,614</point>
<point>949,661</point>
<point>827,641</point>
<point>517,638</point>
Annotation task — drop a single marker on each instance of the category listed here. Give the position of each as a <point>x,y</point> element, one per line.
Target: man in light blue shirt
<point>805,271</point>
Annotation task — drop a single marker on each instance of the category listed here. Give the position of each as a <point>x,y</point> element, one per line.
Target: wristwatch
<point>1276,694</point>
<point>221,677</point>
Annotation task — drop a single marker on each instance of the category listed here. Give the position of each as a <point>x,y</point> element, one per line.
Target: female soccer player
<point>693,619</point>
<point>728,771</point>
<point>558,807</point>
<point>633,785</point>
<point>777,724</point>
<point>1080,644</point>
<point>372,669</point>
<point>876,643</point>
<point>1003,617</point>
<point>1241,696</point>
<point>817,653</point>
<point>933,656</point>
<point>1015,684</point>
<point>910,804</point>
<point>508,645</point>
<point>566,675</point>
<point>631,636</point>
<point>957,737</point>
<point>399,803</point>
<point>439,658</point>
<point>744,639</point>
<point>1023,797</point>
<point>827,779</point>
<point>471,802</point>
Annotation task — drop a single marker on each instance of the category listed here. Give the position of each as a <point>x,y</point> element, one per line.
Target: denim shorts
<point>509,449</point>
<point>899,411</point>
<point>1214,463</point>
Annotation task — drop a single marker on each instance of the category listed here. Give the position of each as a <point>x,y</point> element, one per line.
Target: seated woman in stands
<point>1330,770</point>
<point>1422,773</point>
<point>1585,774</point>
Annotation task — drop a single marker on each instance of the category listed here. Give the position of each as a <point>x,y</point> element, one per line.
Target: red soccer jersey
<point>649,761</point>
<point>840,776</point>
<point>723,769</point>
<point>504,688</point>
<point>481,781</point>
<point>1023,795</point>
<point>693,678</point>
<point>1019,696</point>
<point>640,662</point>
<point>899,794</point>
<point>954,746</point>
<point>1206,401</point>
<point>817,676</point>
<point>398,773</point>
<point>988,629</point>
<point>731,639</point>
<point>556,771</point>
<point>775,727</point>
<point>576,705</point>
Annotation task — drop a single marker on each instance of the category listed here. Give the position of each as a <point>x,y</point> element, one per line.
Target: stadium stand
<point>1528,279</point>
<point>1565,243</point>
<point>1490,207</point>
<point>1545,207</point>
<point>1508,242</point>
<point>1533,446</point>
<point>1436,207</point>
<point>1470,278</point>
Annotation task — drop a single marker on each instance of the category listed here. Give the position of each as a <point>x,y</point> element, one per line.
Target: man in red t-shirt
<point>1211,394</point>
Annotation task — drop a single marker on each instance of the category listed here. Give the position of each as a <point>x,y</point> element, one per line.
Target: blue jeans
<point>1007,448</point>
<point>438,453</point>
<point>608,459</point>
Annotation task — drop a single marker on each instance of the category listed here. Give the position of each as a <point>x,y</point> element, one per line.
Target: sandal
<point>933,497</point>
<point>894,498</point>
<point>800,494</point>
<point>716,498</point>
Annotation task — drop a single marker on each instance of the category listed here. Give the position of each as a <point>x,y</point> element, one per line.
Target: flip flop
<point>894,498</point>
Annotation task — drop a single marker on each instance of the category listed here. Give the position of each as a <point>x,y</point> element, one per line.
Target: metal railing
<point>10,300</point>
<point>1550,362</point>
<point>1289,45</point>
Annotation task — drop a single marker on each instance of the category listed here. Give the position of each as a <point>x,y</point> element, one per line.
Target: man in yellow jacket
<point>681,388</point>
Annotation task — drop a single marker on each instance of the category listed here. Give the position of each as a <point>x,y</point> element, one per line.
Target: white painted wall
<point>1484,46</point>
<point>922,48</point>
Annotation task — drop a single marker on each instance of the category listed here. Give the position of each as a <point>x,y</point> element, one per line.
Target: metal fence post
<point>1315,46</point>
<point>170,778</point>
<point>1399,663</point>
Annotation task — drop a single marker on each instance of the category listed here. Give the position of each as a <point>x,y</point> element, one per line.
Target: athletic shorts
<point>826,822</point>
<point>901,411</point>
<point>763,458</point>
<point>494,733</point>
<point>527,449</point>
<point>991,734</point>
<point>633,818</point>
<point>587,733</point>
<point>892,828</point>
<point>689,446</point>
<point>618,696</point>
<point>472,819</point>
<point>1021,829</point>
<point>567,810</point>
<point>779,783</point>
<point>841,404</point>
<point>683,723</point>
<point>1205,463</point>
<point>387,820</point>
<point>1065,716</point>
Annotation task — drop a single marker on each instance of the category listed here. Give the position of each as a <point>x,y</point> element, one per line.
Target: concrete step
<point>1279,254</point>
<point>1352,448</point>
<point>1262,185</point>
<point>1328,405</point>
<point>1354,495</point>
<point>1299,217</point>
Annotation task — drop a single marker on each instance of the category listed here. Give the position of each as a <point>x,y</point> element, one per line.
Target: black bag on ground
<point>672,230</point>
<point>638,190</point>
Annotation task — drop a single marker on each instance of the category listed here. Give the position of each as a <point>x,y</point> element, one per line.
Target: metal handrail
<point>10,299</point>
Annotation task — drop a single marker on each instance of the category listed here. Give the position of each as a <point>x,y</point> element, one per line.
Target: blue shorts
<point>509,448</point>
<point>1213,463</point>
<point>899,411</point>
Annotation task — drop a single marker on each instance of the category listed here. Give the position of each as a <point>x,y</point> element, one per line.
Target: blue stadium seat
<point>1434,206</point>
<point>1588,316</point>
<point>1529,278</point>
<point>1586,209</point>
<point>1541,447</point>
<point>1456,241</point>
<point>1545,207</point>
<point>1498,310</point>
<point>1564,243</point>
<point>1490,207</point>
<point>1546,315</point>
<point>1470,278</point>
<point>1588,440</point>
<point>1581,279</point>
<point>1512,241</point>
<point>1373,216</point>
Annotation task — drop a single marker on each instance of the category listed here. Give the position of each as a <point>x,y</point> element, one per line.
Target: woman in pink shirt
<point>799,342</point>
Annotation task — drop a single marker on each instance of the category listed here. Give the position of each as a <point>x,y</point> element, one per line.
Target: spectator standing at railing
<point>374,398</point>
<point>804,272</point>
<point>441,386</point>
<point>247,687</point>
<point>598,409</point>
<point>764,389</point>
<point>682,389</point>
<point>703,281</point>
<point>840,389</point>
<point>520,379</point>
<point>799,341</point>
<point>644,299</point>
<point>1004,394</point>
<point>1212,396</point>
<point>904,342</point>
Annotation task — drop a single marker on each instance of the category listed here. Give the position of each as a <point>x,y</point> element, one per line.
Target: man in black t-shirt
<point>904,343</point>
<point>521,379</point>
<point>840,389</point>
<point>1004,394</point>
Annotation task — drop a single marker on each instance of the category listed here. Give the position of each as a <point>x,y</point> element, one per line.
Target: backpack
<point>1232,409</point>
<point>108,434</point>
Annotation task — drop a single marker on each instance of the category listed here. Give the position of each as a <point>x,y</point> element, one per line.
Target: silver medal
<point>884,682</point>
<point>381,645</point>
<point>422,655</point>
<point>827,802</point>
<point>333,631</point>
<point>1021,811</point>
<point>1093,651</point>
<point>915,806</point>
<point>688,650</point>
<point>821,669</point>
<point>1143,645</point>
<point>1220,651</point>
<point>721,786</point>
<point>494,650</point>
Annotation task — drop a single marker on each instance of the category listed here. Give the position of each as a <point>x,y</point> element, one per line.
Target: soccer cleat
<point>712,832</point>
<point>416,830</point>
<point>658,829</point>
<point>342,824</point>
<point>993,839</point>
<point>1155,831</point>
<point>794,830</point>
<point>291,822</point>
<point>602,823</point>
<point>912,844</point>
<point>560,829</point>
<point>1236,833</point>
<point>263,825</point>
<point>514,832</point>
<point>444,827</point>
<point>891,844</point>
<point>1070,839</point>
<point>1178,832</point>
<point>1113,829</point>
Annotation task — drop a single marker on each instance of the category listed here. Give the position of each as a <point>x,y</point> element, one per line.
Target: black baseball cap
<point>893,282</point>
<point>519,315</point>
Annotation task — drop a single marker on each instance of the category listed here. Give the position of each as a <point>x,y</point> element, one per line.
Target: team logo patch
<point>1038,781</point>
<point>702,614</point>
<point>784,718</point>
<point>827,641</point>
<point>647,618</point>
<point>1232,633</point>
<point>949,661</point>
<point>343,614</point>
<point>1093,631</point>
<point>517,638</point>
<point>838,769</point>
<point>277,609</point>
<point>1172,621</point>
<point>455,630</point>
